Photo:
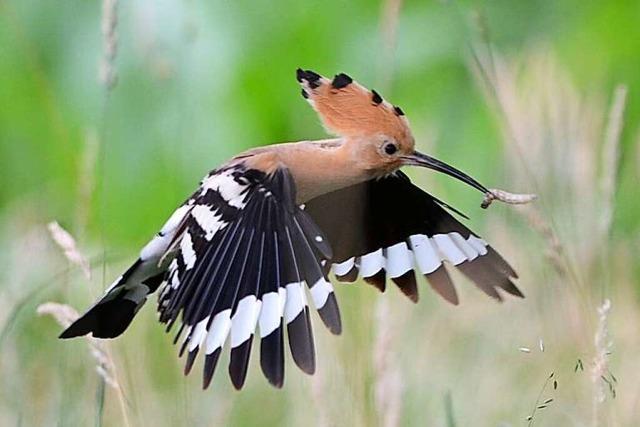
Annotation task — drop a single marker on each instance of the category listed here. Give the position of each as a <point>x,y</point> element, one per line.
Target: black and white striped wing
<point>243,259</point>
<point>387,228</point>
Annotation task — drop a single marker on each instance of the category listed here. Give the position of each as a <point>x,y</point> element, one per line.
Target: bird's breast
<point>317,167</point>
<point>312,183</point>
<point>320,175</point>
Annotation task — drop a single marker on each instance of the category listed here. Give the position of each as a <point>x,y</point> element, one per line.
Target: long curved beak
<point>419,159</point>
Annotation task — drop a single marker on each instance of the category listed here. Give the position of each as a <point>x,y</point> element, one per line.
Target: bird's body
<point>317,167</point>
<point>239,253</point>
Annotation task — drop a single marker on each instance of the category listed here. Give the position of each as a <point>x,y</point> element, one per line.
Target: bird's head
<point>377,131</point>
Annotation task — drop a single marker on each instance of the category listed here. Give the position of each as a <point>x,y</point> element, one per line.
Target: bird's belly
<point>308,188</point>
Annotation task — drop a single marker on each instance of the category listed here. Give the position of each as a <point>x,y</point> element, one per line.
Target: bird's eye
<point>390,148</point>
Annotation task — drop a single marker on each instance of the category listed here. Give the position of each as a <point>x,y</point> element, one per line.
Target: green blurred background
<point>199,81</point>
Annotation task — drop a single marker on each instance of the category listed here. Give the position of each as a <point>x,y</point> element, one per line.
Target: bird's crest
<point>348,109</point>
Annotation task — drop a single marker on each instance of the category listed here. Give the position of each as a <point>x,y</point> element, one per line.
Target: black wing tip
<point>378,280</point>
<point>324,248</point>
<point>72,332</point>
<point>476,273</point>
<point>272,357</point>
<point>306,366</point>
<point>512,289</point>
<point>191,357</point>
<point>81,328</point>
<point>350,277</point>
<point>330,315</point>
<point>237,383</point>
<point>441,282</point>
<point>103,320</point>
<point>301,342</point>
<point>239,363</point>
<point>210,362</point>
<point>83,325</point>
<point>490,273</point>
<point>500,262</point>
<point>408,285</point>
<point>275,377</point>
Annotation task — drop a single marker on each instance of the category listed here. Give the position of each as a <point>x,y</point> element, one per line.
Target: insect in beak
<point>419,159</point>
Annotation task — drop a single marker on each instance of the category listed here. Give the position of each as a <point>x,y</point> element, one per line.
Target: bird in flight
<point>263,232</point>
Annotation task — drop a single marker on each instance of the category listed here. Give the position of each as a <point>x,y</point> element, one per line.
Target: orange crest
<point>350,110</point>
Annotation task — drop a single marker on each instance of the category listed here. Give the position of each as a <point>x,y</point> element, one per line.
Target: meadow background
<point>106,125</point>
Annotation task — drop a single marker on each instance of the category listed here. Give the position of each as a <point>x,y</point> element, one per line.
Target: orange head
<point>377,130</point>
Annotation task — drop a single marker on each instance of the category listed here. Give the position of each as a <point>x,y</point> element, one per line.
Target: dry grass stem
<point>600,372</point>
<point>539,404</point>
<point>86,181</point>
<point>388,387</point>
<point>555,250</point>
<point>65,315</point>
<point>611,157</point>
<point>388,380</point>
<point>108,75</point>
<point>105,367</point>
<point>551,133</point>
<point>70,248</point>
<point>388,29</point>
<point>318,396</point>
<point>506,197</point>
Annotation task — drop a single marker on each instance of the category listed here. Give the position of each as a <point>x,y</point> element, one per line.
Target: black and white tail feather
<point>236,256</point>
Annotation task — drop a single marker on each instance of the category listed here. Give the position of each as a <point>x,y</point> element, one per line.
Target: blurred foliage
<point>200,81</point>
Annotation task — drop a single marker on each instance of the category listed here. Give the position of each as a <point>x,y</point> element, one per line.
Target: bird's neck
<point>319,167</point>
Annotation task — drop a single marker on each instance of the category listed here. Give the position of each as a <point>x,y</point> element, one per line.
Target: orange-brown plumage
<point>353,111</point>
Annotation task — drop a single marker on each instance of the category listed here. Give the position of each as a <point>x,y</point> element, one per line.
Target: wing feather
<point>387,228</point>
<point>242,261</point>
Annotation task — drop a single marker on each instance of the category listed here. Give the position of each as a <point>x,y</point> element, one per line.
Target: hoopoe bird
<point>236,257</point>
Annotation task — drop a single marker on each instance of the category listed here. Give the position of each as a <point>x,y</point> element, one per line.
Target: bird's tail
<point>113,313</point>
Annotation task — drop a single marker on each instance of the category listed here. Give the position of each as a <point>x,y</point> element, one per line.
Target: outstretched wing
<point>387,228</point>
<point>243,257</point>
